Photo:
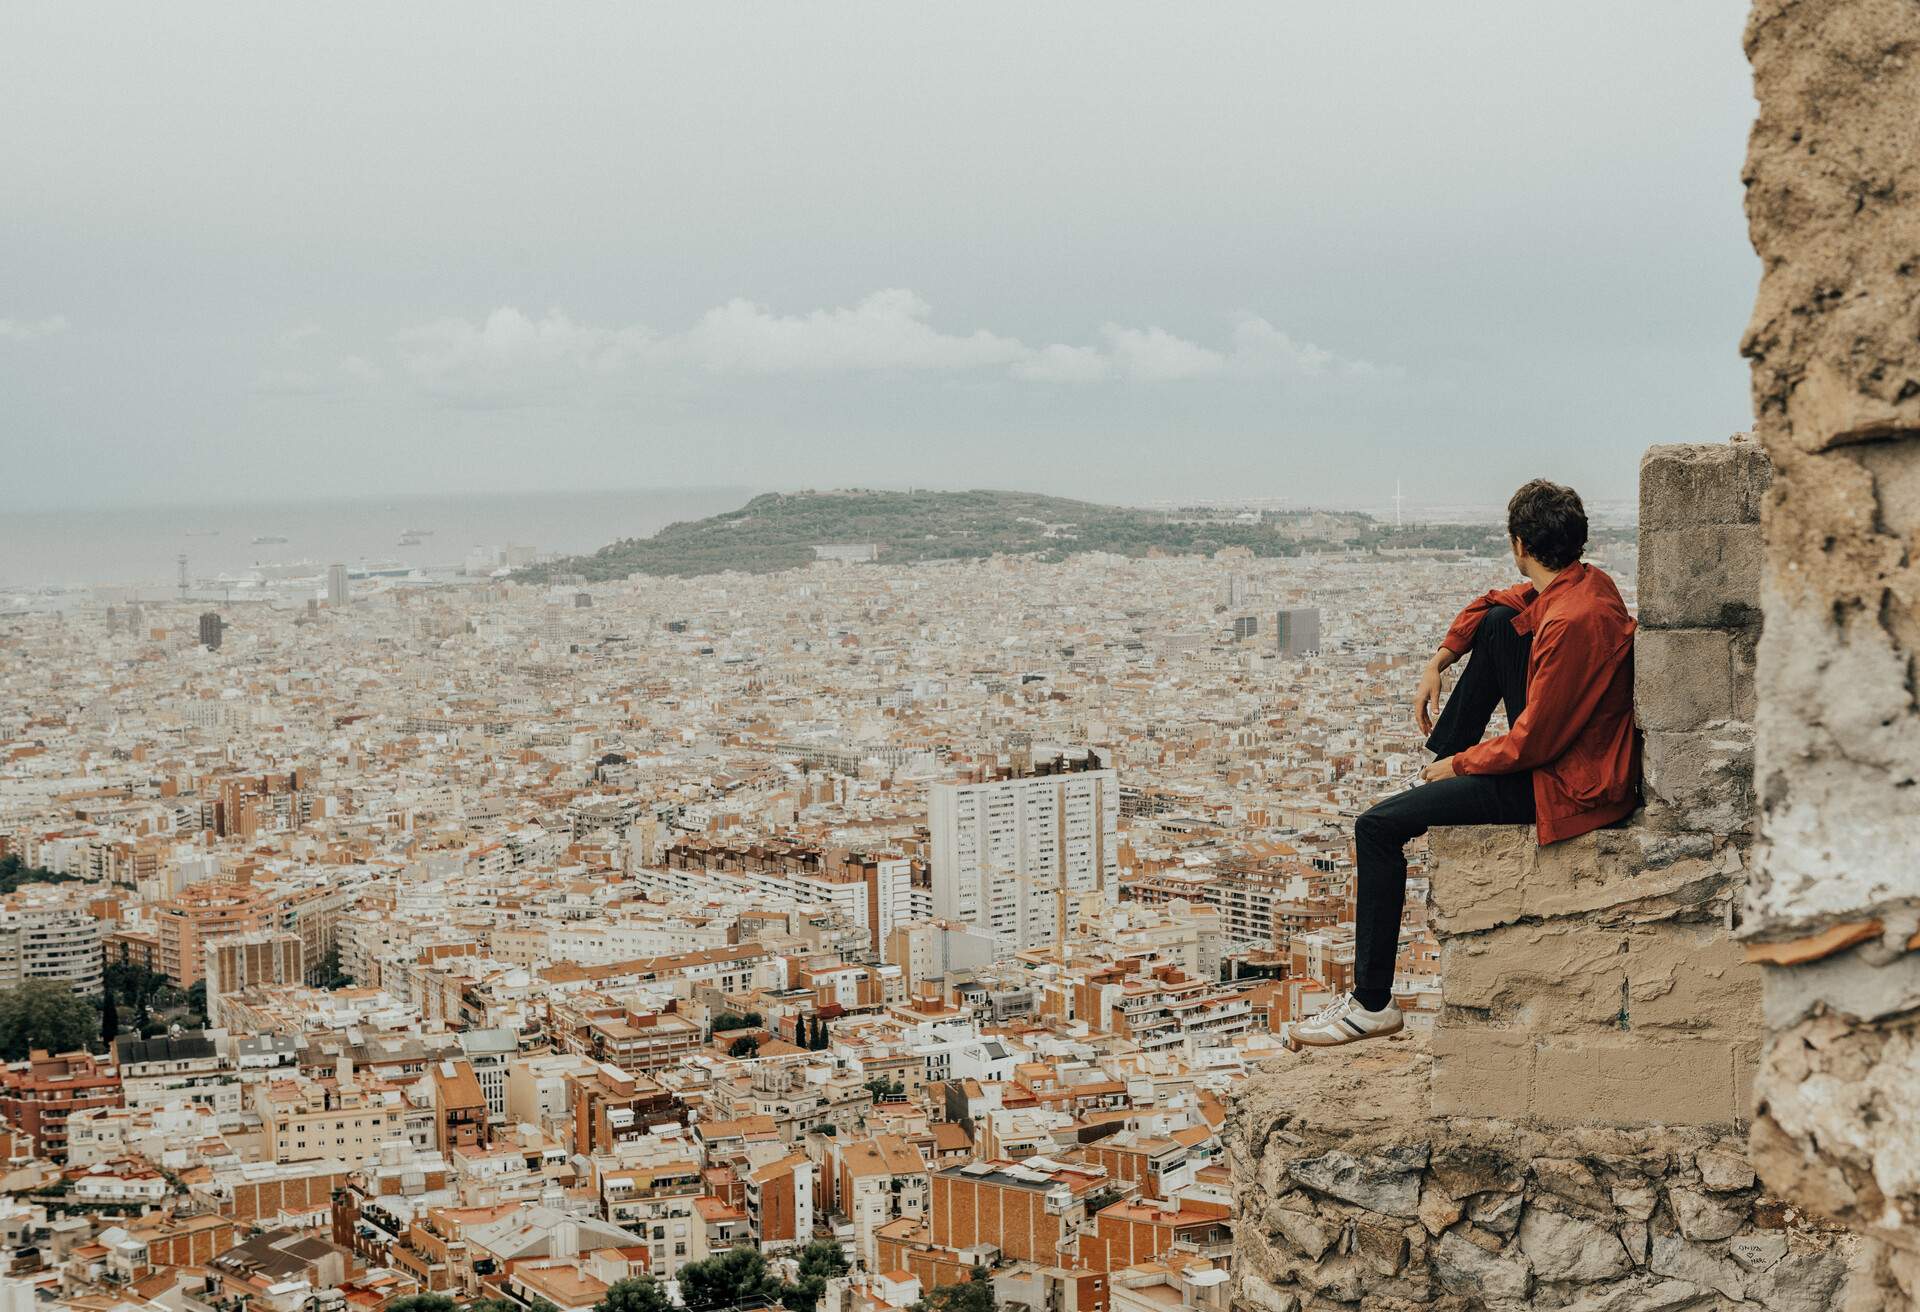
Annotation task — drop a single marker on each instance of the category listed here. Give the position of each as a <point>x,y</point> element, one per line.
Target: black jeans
<point>1495,673</point>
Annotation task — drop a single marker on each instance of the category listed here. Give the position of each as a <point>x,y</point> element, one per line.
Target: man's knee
<point>1377,825</point>
<point>1495,626</point>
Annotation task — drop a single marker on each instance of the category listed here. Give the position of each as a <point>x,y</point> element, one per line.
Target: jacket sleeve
<point>1459,639</point>
<point>1571,672</point>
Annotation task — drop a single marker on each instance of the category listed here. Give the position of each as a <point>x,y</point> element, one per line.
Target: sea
<point>139,547</point>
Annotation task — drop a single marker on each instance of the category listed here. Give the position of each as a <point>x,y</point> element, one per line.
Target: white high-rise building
<point>338,591</point>
<point>1005,849</point>
<point>47,933</point>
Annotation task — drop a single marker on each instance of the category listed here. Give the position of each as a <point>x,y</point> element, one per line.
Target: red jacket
<point>1577,733</point>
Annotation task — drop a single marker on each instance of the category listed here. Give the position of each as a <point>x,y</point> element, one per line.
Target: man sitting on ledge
<point>1558,652</point>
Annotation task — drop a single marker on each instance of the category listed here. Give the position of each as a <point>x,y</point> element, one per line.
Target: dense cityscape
<point>853,936</point>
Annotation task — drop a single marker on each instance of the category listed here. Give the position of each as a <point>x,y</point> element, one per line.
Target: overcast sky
<point>1106,249</point>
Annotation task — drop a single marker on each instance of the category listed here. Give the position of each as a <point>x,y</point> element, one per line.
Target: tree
<point>820,1036</point>
<point>421,1303</point>
<point>636,1294</point>
<point>109,1019</point>
<point>14,872</point>
<point>744,1046</point>
<point>975,1295</point>
<point>884,1089</point>
<point>734,1277</point>
<point>728,1020</point>
<point>492,1305</point>
<point>329,975</point>
<point>197,1002</point>
<point>820,1261</point>
<point>44,1014</point>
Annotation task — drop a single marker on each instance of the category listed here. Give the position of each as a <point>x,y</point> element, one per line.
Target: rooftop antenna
<point>1398,502</point>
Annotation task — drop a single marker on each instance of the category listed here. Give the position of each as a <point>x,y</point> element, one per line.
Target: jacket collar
<point>1571,576</point>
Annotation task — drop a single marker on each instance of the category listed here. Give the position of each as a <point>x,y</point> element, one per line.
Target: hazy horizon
<point>1122,252</point>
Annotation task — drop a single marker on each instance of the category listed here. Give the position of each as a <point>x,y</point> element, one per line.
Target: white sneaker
<point>1345,1021</point>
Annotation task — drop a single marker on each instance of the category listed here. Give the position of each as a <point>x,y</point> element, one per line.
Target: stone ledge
<point>1484,876</point>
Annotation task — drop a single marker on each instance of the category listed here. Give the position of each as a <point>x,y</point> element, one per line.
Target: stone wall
<point>1351,1195</point>
<point>1833,207</point>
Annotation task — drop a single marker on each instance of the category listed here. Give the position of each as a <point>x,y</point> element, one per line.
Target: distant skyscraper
<point>337,586</point>
<point>210,627</point>
<point>1009,852</point>
<point>1246,626</point>
<point>1297,631</point>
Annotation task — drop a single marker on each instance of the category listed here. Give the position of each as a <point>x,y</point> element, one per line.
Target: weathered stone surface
<point>1563,1247</point>
<point>1482,1072</point>
<point>1685,679</point>
<point>1833,169</point>
<point>1254,1292</point>
<point>1724,1172</point>
<point>1389,1183</point>
<point>1526,1214</point>
<point>1701,577</point>
<point>1636,1201</point>
<point>1676,1257</point>
<point>1437,1211</point>
<point>1489,875</point>
<point>1381,1245</point>
<point>1629,1081</point>
<point>1704,776</point>
<point>1705,1217</point>
<point>1566,976</point>
<point>1866,983</point>
<point>1840,1126</point>
<point>1758,1252</point>
<point>1695,483</point>
<point>1465,1267</point>
<point>1497,1214</point>
<point>1461,1168</point>
<point>1304,1232</point>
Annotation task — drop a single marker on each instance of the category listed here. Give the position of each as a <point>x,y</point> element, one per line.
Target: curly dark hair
<point>1549,521</point>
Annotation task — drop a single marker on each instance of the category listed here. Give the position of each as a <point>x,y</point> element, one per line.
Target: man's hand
<point>1440,769</point>
<point>1426,696</point>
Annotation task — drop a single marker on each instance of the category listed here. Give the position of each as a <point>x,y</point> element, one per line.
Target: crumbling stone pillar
<point>1833,207</point>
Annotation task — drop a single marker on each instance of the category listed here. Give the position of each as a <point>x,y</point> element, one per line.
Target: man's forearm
<point>1443,658</point>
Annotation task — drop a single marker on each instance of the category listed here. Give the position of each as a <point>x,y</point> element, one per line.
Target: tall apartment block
<point>211,627</point>
<point>337,585</point>
<point>1010,849</point>
<point>1297,631</point>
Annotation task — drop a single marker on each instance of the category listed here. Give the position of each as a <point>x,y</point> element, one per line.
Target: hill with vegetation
<point>780,530</point>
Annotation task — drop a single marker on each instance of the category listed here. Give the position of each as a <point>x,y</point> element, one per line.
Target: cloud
<point>510,355</point>
<point>509,352</point>
<point>1156,355</point>
<point>887,330</point>
<point>1063,364</point>
<point>22,330</point>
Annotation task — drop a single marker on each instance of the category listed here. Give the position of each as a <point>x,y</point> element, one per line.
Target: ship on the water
<point>267,538</point>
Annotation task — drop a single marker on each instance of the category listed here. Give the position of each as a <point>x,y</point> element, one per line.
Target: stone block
<point>1705,777</point>
<point>1570,976</point>
<point>1687,678</point>
<point>1563,1247</point>
<point>1703,577</point>
<point>1635,1081</point>
<point>1482,1072</point>
<point>1703,483</point>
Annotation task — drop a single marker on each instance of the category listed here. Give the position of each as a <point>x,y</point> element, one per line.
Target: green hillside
<point>779,531</point>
